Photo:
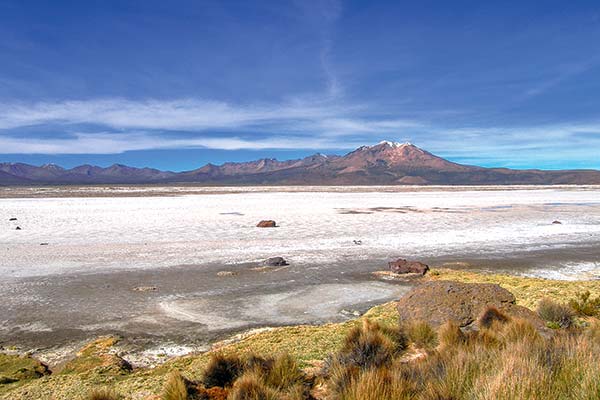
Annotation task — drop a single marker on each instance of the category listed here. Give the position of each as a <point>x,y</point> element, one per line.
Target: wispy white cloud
<point>111,143</point>
<point>308,117</point>
<point>183,114</point>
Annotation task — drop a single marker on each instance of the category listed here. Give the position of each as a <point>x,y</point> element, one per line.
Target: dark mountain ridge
<point>387,163</point>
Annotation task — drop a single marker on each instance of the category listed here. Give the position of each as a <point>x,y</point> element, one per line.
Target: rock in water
<point>12,219</point>
<point>440,301</point>
<point>269,223</point>
<point>402,266</point>
<point>275,262</point>
<point>556,223</point>
<point>18,228</point>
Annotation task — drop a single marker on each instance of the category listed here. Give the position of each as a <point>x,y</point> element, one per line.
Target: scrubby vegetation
<point>509,359</point>
<point>586,306</point>
<point>506,358</point>
<point>372,357</point>
<point>248,378</point>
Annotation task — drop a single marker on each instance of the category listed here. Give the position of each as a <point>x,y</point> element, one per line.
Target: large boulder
<point>402,266</point>
<point>437,302</point>
<point>267,224</point>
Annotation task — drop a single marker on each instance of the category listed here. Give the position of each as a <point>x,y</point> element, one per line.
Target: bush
<point>103,394</point>
<point>222,370</point>
<point>490,316</point>
<point>421,334</point>
<point>555,313</point>
<point>585,306</point>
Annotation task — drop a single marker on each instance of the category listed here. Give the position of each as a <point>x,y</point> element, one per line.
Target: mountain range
<point>387,163</point>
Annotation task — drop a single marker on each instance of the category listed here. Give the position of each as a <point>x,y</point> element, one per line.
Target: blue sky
<point>177,84</point>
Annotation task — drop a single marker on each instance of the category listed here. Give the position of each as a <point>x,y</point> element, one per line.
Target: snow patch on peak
<point>394,144</point>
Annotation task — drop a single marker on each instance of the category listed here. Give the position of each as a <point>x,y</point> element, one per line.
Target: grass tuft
<point>490,316</point>
<point>421,334</point>
<point>368,346</point>
<point>222,370</point>
<point>175,388</point>
<point>284,373</point>
<point>555,314</point>
<point>103,394</point>
<point>251,387</point>
<point>451,336</point>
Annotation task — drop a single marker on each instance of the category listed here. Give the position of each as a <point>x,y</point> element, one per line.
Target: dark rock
<point>12,219</point>
<point>402,266</point>
<point>18,228</point>
<point>357,242</point>
<point>275,262</point>
<point>267,224</point>
<point>556,223</point>
<point>43,244</point>
<point>441,301</point>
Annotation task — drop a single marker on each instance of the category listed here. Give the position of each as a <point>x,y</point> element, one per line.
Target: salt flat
<point>94,234</point>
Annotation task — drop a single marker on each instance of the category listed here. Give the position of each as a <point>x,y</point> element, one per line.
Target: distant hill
<point>387,163</point>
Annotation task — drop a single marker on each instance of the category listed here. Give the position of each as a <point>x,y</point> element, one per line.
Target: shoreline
<point>306,343</point>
